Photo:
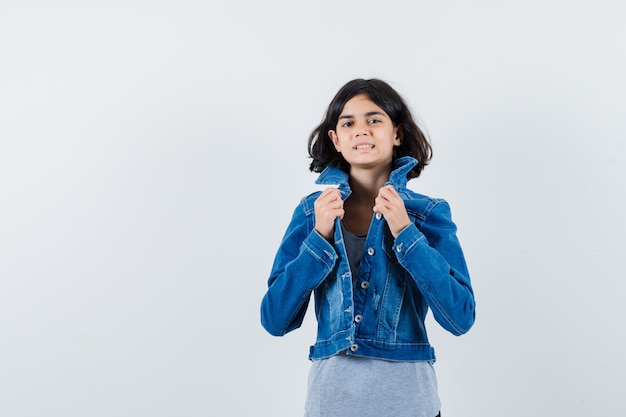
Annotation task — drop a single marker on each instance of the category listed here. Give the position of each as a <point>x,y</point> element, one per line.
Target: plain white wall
<point>151,155</point>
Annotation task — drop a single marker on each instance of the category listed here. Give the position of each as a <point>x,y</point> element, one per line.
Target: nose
<point>361,128</point>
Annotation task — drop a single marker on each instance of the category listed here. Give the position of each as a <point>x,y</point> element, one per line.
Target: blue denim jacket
<point>382,314</point>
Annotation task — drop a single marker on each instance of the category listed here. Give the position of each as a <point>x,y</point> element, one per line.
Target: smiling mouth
<point>364,146</point>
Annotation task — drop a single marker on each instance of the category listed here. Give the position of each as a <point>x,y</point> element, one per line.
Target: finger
<point>327,198</point>
<point>381,207</point>
<point>384,194</point>
<point>390,200</point>
<point>330,194</point>
<point>325,206</point>
<point>332,198</point>
<point>384,198</point>
<point>391,190</point>
<point>331,190</point>
<point>388,192</point>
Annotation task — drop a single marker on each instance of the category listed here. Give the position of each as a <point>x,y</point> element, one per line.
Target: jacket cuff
<point>321,249</point>
<point>407,238</point>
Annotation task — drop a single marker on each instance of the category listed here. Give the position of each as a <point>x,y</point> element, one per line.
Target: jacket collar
<point>333,175</point>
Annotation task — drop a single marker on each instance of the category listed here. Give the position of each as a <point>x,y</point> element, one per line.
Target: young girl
<point>376,255</point>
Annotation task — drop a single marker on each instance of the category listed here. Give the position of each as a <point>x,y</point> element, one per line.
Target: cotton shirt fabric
<point>348,385</point>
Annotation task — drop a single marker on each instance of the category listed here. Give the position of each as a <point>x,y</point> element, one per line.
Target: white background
<point>152,153</point>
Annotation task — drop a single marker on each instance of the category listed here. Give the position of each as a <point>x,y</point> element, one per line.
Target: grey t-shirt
<point>354,247</point>
<point>346,385</point>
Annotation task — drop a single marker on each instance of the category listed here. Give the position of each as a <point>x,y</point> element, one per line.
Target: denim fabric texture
<point>380,313</point>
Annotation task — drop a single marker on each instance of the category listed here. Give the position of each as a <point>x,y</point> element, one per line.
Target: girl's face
<point>365,135</point>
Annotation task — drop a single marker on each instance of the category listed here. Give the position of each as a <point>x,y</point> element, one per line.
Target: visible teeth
<point>365,146</point>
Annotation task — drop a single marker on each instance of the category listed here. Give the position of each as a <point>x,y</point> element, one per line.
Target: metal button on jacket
<point>354,347</point>
<point>358,318</point>
<point>378,216</point>
<point>370,251</point>
<point>365,285</point>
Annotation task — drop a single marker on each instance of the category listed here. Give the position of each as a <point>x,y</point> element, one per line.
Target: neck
<point>365,184</point>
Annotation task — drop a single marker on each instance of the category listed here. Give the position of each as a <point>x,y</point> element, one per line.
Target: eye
<point>347,124</point>
<point>374,121</point>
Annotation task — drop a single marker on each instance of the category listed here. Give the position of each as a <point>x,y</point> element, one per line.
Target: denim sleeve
<point>432,255</point>
<point>304,259</point>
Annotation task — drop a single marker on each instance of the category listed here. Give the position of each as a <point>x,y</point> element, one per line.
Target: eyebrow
<point>368,114</point>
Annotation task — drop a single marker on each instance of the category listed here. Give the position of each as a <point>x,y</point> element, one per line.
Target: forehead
<point>360,105</point>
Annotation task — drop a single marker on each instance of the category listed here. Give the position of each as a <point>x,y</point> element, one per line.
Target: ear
<point>333,136</point>
<point>398,136</point>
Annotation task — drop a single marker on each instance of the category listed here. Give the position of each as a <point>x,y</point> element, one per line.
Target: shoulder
<point>421,206</point>
<point>307,202</point>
